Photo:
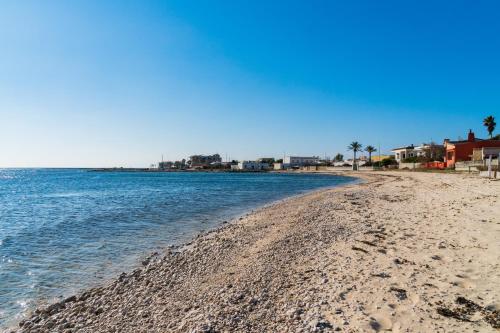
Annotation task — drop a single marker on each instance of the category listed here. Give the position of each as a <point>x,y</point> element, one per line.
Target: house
<point>404,152</point>
<point>298,161</point>
<point>252,165</point>
<point>482,154</point>
<point>429,151</point>
<point>463,150</point>
<point>278,166</point>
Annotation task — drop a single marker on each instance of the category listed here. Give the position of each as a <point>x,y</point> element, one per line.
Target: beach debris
<point>400,293</point>
<point>343,294</point>
<point>402,261</point>
<point>355,248</point>
<point>382,275</point>
<point>323,324</point>
<point>467,308</point>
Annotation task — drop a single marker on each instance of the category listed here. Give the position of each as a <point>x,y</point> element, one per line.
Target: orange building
<point>457,151</point>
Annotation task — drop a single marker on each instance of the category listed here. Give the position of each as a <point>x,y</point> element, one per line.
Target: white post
<point>489,167</point>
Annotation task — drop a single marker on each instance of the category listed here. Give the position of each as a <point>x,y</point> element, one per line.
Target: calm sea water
<point>64,230</point>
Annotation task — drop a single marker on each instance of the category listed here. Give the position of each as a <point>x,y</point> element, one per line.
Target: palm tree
<point>489,123</point>
<point>355,146</point>
<point>370,150</point>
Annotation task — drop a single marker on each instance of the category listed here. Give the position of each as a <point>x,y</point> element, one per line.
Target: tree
<point>370,150</point>
<point>489,123</point>
<point>355,146</point>
<point>339,157</point>
<point>268,160</point>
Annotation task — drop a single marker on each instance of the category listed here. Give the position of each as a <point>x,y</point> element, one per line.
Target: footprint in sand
<point>380,322</point>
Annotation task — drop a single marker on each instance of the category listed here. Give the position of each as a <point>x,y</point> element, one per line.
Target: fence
<point>410,166</point>
<point>474,166</point>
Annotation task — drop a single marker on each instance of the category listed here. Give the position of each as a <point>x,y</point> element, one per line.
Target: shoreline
<point>251,274</point>
<point>176,246</point>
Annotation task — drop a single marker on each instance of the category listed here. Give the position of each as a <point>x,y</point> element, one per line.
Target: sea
<point>64,230</point>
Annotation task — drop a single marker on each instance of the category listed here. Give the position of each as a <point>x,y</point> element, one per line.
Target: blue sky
<point>119,83</point>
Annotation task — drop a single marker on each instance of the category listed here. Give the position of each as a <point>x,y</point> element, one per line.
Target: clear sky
<point>119,83</point>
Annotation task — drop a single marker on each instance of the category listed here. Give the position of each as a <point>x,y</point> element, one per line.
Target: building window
<point>450,155</point>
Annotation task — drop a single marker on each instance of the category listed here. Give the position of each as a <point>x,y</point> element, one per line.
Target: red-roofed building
<point>457,151</point>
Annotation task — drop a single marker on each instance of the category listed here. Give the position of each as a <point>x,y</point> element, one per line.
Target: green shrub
<point>385,162</point>
<point>413,159</point>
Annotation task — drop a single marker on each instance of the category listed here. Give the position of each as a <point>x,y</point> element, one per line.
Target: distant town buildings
<point>278,166</point>
<point>252,166</point>
<point>268,160</point>
<point>169,165</point>
<point>360,162</point>
<point>460,155</point>
<point>298,161</point>
<point>204,161</point>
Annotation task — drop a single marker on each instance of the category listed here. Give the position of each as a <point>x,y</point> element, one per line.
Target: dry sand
<point>403,252</point>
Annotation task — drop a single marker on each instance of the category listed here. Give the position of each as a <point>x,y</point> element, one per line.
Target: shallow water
<point>64,230</point>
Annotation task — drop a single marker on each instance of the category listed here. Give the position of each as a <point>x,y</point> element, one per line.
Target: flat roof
<point>407,147</point>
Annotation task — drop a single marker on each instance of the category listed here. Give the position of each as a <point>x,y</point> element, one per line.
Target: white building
<point>359,162</point>
<point>404,152</point>
<point>297,161</point>
<point>252,165</point>
<point>429,150</point>
<point>339,163</point>
<point>278,166</point>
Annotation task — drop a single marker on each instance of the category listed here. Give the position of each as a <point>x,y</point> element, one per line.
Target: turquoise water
<point>64,230</point>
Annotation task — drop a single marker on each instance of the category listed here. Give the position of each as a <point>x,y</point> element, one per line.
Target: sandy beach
<point>401,252</point>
